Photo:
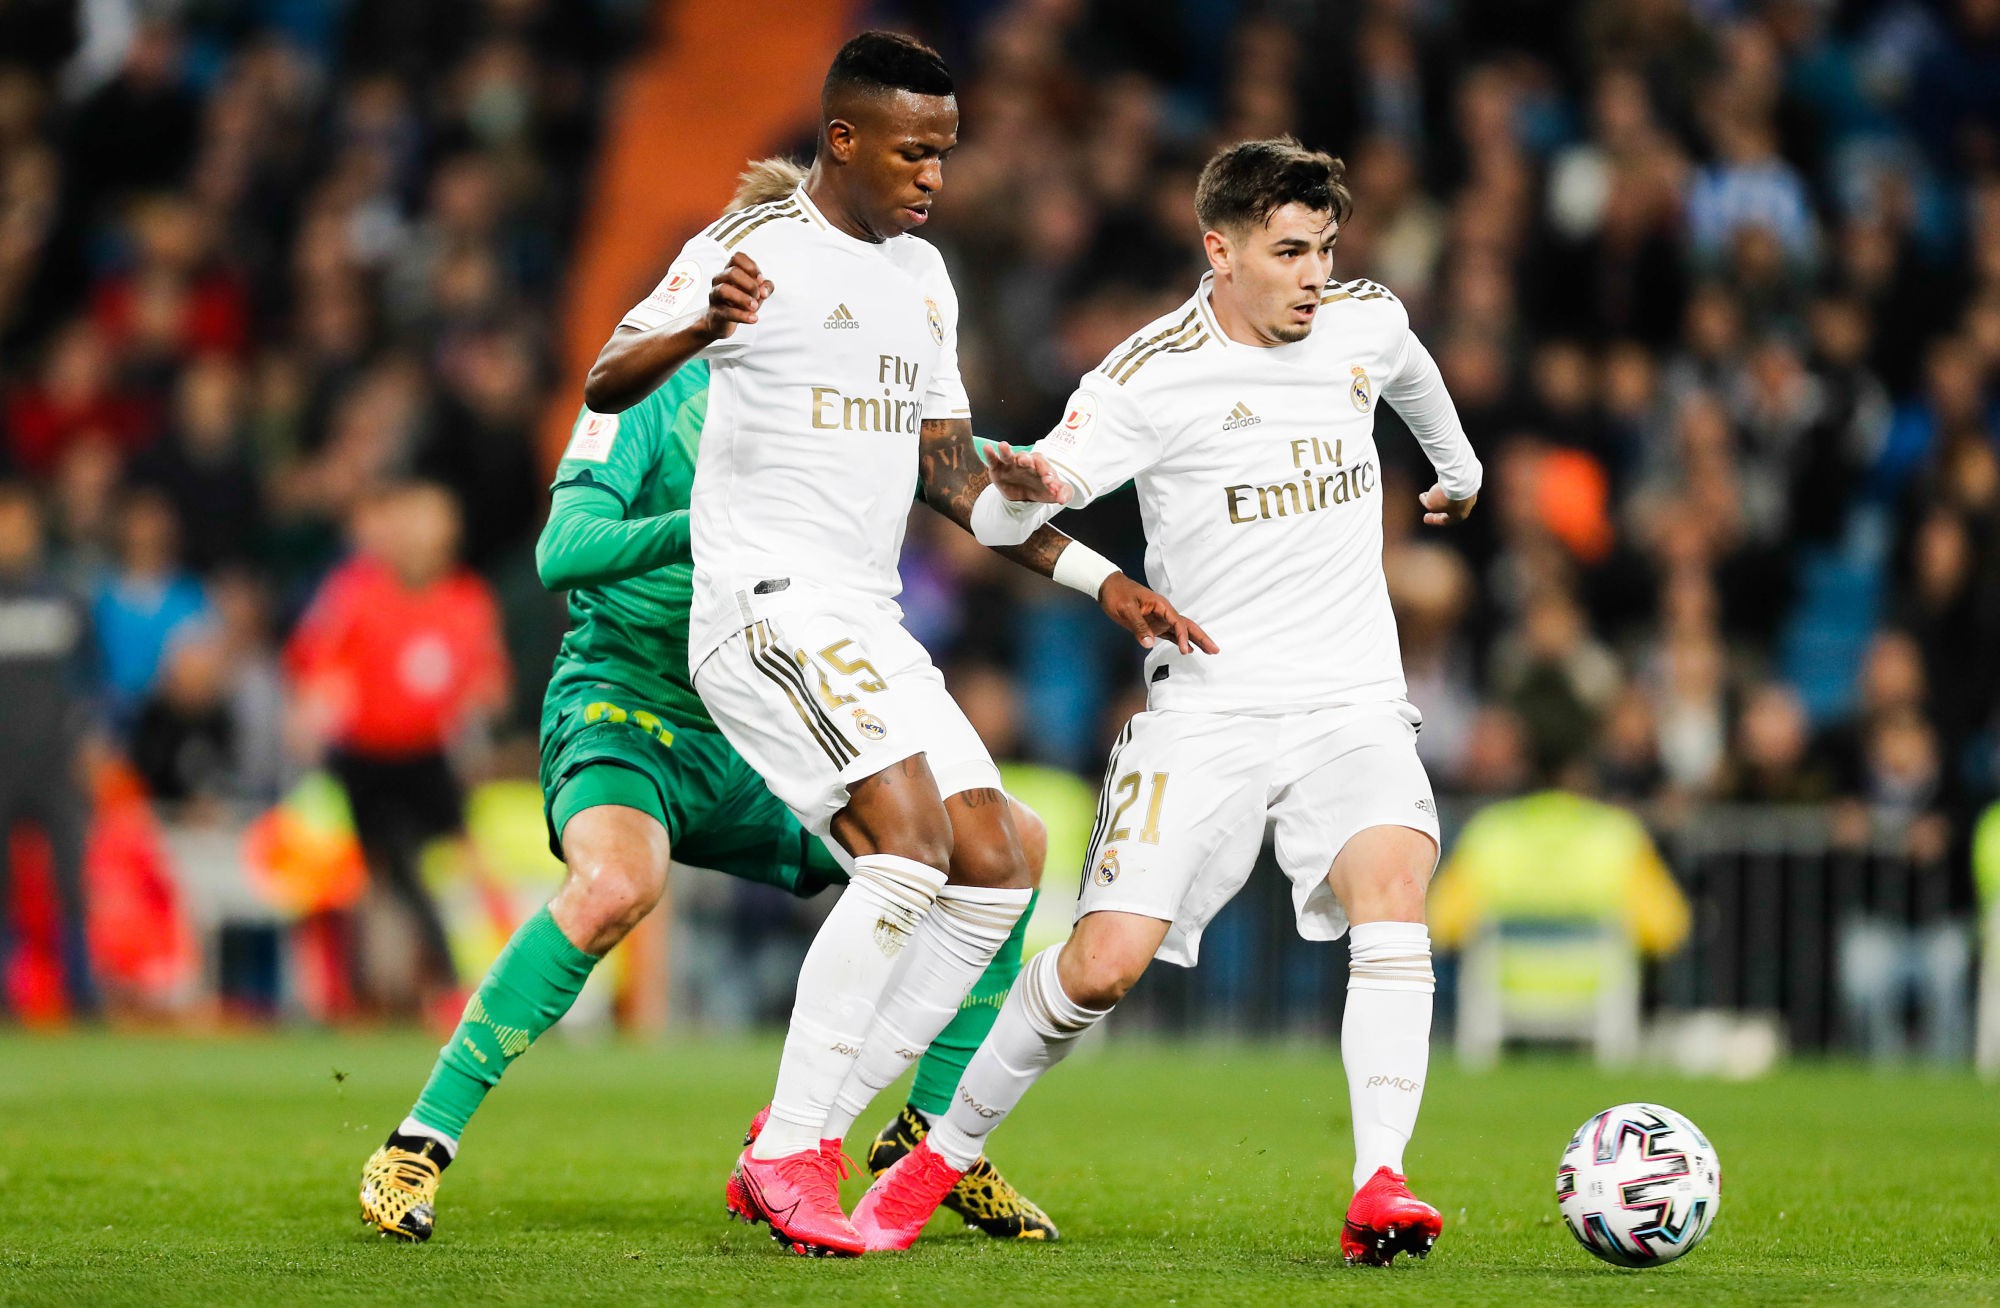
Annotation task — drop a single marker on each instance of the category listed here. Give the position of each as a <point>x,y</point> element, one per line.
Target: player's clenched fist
<point>1441,510</point>
<point>734,296</point>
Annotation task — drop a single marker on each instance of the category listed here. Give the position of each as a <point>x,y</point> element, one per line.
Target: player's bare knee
<point>602,901</point>
<point>995,864</point>
<point>927,841</point>
<point>1399,897</point>
<point>1100,983</point>
<point>1034,835</point>
<point>1098,978</point>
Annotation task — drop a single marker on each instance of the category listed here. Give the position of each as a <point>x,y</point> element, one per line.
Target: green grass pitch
<point>158,1172</point>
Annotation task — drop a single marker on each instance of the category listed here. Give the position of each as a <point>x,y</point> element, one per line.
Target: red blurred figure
<point>178,299</point>
<point>400,650</point>
<point>75,398</point>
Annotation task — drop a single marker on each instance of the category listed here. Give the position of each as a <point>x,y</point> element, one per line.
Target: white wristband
<point>1082,568</point>
<point>998,521</point>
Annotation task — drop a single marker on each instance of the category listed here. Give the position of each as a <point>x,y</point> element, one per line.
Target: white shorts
<point>1187,797</point>
<point>816,699</point>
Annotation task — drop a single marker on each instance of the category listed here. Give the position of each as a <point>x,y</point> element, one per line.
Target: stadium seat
<point>1573,981</point>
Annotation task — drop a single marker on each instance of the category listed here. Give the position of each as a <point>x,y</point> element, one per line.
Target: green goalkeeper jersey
<point>618,540</point>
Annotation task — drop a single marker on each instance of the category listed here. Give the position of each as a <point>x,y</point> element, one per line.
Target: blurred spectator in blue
<point>142,604</point>
<point>1954,404</point>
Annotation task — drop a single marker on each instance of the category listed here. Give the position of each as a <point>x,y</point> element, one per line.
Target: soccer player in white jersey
<point>832,339</point>
<point>1246,418</point>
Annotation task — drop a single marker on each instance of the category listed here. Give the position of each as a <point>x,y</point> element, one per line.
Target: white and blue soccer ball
<point>1639,1185</point>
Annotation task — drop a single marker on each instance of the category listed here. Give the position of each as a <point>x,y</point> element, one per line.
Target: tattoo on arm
<point>953,475</point>
<point>952,471</point>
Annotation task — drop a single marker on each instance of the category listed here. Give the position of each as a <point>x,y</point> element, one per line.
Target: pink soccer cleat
<point>893,1212</point>
<point>798,1196</point>
<point>1383,1220</point>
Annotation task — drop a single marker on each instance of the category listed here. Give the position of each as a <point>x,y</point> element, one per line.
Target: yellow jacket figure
<point>1553,896</point>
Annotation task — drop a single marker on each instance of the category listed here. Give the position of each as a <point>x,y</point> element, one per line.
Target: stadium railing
<point>1846,944</point>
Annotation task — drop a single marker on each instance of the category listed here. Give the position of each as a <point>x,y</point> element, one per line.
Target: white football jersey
<point>808,458</point>
<point>1261,491</point>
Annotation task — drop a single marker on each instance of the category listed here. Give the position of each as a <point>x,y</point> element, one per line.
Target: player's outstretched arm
<point>633,363</point>
<point>589,542</point>
<point>954,474</point>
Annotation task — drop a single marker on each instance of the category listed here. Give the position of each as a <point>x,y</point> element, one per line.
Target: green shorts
<point>601,747</point>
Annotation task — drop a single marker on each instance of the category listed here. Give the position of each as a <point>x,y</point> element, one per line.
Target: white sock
<point>949,952</point>
<point>839,985</point>
<point>1385,1038</point>
<point>1037,1027</point>
<point>411,1126</point>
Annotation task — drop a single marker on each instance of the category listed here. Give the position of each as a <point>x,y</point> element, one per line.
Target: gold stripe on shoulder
<point>1331,296</point>
<point>736,217</point>
<point>1131,369</point>
<point>1187,348</point>
<point>736,238</point>
<point>720,227</point>
<point>751,217</point>
<point>1139,346</point>
<point>729,223</point>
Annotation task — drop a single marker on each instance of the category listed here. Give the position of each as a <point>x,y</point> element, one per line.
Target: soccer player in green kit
<point>623,729</point>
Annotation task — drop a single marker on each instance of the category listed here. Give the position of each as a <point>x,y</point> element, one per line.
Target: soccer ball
<point>1639,1185</point>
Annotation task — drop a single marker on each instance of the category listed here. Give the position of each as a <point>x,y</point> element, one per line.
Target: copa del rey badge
<point>593,437</point>
<point>1077,418</point>
<point>675,291</point>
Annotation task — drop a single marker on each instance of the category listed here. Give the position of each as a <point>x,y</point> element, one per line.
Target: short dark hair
<point>886,61</point>
<point>1244,184</point>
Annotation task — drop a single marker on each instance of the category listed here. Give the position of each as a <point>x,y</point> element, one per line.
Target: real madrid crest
<point>936,320</point>
<point>1107,868</point>
<point>869,725</point>
<point>1361,391</point>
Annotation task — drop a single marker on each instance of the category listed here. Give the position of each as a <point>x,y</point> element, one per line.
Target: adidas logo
<point>840,320</point>
<point>1240,416</point>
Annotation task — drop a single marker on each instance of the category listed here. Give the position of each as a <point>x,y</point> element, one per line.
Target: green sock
<point>532,984</point>
<point>944,1062</point>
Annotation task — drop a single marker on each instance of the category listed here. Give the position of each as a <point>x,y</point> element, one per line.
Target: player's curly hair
<point>1244,184</point>
<point>764,181</point>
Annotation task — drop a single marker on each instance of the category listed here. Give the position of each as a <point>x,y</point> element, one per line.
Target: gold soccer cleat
<point>399,1192</point>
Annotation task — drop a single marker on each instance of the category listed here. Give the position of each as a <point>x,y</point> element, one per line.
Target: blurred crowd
<point>266,269</point>
<point>1716,287</point>
<point>1715,284</point>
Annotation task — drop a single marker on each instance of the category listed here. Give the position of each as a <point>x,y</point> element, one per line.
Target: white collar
<point>812,211</point>
<point>1207,311</point>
